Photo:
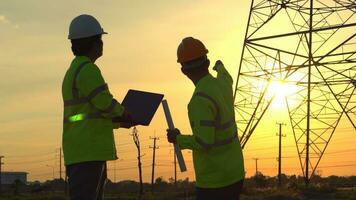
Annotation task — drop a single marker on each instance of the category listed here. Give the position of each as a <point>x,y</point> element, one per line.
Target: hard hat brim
<point>86,36</point>
<point>195,64</point>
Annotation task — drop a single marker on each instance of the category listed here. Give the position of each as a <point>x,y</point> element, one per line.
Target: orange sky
<point>139,53</point>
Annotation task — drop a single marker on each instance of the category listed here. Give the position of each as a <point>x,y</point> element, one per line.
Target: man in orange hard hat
<point>217,154</point>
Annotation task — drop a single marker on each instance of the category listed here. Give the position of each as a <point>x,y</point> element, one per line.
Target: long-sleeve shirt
<point>217,155</point>
<point>88,111</point>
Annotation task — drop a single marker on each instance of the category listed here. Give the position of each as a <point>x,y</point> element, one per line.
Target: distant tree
<point>36,187</point>
<point>161,184</point>
<point>160,181</point>
<point>292,182</point>
<point>16,186</point>
<point>260,179</point>
<point>171,180</point>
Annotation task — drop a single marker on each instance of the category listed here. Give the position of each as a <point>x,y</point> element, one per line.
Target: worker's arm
<point>201,114</point>
<point>223,75</point>
<point>91,83</point>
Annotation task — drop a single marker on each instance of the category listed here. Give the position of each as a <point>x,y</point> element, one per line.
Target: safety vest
<point>217,154</point>
<point>88,111</point>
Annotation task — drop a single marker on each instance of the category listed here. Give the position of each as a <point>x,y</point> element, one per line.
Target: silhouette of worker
<point>89,108</point>
<point>217,154</point>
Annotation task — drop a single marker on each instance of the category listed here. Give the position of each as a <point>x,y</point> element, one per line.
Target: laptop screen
<point>142,105</point>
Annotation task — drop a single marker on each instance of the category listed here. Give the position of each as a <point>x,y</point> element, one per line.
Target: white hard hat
<point>84,26</point>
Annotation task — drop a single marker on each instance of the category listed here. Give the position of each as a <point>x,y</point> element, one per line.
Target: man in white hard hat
<point>89,113</point>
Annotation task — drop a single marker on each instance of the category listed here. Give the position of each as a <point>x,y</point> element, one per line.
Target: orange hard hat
<point>190,49</point>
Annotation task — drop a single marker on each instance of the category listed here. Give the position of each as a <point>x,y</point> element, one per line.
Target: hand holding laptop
<point>126,120</point>
<point>140,108</point>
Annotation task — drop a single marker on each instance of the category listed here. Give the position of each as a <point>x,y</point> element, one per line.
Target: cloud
<point>4,20</point>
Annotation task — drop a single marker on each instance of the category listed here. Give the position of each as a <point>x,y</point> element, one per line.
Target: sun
<point>280,89</point>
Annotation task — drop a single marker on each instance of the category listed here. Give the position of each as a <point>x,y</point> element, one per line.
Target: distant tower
<point>310,45</point>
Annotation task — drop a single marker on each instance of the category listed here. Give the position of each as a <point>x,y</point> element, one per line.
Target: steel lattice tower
<point>310,44</point>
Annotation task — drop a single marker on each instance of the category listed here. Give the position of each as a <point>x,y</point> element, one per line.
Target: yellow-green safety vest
<point>88,111</point>
<point>217,154</point>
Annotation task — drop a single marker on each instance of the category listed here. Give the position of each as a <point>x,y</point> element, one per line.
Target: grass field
<point>258,187</point>
<point>249,194</point>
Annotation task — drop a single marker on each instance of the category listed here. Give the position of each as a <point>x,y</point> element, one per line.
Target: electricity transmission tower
<point>309,45</point>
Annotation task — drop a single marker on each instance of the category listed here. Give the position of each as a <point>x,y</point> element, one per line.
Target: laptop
<point>142,106</point>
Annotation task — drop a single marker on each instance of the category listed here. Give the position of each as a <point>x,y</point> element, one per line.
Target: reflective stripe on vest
<point>111,107</point>
<point>216,143</point>
<point>76,100</point>
<point>81,117</point>
<point>96,115</point>
<point>216,105</point>
<point>217,122</point>
<point>75,93</point>
<point>86,99</point>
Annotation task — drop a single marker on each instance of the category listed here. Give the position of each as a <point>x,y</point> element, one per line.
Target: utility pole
<point>256,159</point>
<point>66,182</point>
<point>175,168</point>
<point>153,160</point>
<point>51,166</point>
<point>60,163</point>
<point>117,160</point>
<point>137,143</point>
<point>1,163</point>
<point>280,135</point>
<point>115,171</point>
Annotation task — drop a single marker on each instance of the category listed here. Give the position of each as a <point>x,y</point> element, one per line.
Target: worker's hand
<point>172,135</point>
<point>126,125</point>
<point>128,121</point>
<point>125,120</point>
<point>126,116</point>
<point>217,63</point>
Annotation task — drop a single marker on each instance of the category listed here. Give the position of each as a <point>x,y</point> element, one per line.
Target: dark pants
<point>87,180</point>
<point>231,192</point>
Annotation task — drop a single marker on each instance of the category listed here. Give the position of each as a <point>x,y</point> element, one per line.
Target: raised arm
<point>223,75</point>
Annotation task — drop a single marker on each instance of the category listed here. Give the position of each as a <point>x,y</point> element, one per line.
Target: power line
<point>347,165</point>
<point>163,161</point>
<point>41,174</point>
<point>30,155</point>
<point>31,161</point>
<point>129,143</point>
<point>342,151</point>
<point>129,168</point>
<point>266,148</point>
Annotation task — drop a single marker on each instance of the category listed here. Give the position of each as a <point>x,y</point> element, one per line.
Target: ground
<point>249,194</point>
